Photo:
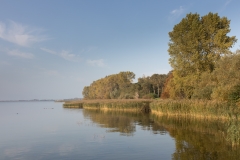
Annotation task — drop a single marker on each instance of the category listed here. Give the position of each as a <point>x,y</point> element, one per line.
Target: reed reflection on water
<point>194,138</point>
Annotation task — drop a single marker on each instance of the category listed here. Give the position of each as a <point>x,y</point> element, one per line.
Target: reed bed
<point>130,104</point>
<point>73,105</point>
<point>192,108</point>
<point>195,108</point>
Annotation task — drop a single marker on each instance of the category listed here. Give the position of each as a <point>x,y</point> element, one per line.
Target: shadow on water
<point>199,139</point>
<point>194,138</point>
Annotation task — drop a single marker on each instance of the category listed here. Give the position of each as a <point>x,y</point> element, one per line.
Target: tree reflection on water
<point>194,138</point>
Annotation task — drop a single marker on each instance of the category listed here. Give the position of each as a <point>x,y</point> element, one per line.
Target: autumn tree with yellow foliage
<point>196,44</point>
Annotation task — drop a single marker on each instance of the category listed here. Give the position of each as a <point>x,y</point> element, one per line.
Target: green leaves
<point>196,44</point>
<point>109,87</point>
<point>234,96</point>
<point>120,86</point>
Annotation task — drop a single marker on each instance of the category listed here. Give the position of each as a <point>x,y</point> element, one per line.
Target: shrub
<point>150,96</point>
<point>234,96</point>
<point>203,93</point>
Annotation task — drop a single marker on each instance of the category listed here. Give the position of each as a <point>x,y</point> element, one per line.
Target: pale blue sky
<point>52,49</point>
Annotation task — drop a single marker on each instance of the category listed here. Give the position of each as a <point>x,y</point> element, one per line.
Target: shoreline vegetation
<point>203,109</point>
<point>108,104</point>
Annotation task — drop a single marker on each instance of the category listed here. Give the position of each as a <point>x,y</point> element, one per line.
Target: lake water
<point>46,130</point>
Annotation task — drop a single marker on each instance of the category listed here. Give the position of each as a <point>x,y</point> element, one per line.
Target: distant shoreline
<point>43,100</point>
<point>27,100</point>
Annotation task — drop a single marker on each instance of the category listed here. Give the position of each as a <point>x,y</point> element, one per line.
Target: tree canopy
<point>108,87</point>
<point>223,84</point>
<point>121,86</point>
<point>196,44</point>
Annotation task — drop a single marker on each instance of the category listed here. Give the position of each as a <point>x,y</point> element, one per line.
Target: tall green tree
<point>196,43</point>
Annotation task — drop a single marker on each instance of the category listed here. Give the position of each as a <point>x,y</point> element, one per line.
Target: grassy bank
<point>191,108</point>
<point>129,104</point>
<point>196,108</point>
<point>73,105</point>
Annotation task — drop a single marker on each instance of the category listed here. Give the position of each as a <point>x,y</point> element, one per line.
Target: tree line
<point>203,67</point>
<point>121,86</point>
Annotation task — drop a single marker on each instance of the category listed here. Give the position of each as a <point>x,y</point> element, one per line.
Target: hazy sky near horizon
<point>52,49</point>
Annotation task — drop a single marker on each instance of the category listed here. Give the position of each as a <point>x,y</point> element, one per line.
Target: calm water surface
<point>45,130</point>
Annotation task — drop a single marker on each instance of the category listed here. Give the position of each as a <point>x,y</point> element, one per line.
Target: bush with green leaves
<point>234,95</point>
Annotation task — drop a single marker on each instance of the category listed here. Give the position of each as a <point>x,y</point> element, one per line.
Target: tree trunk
<point>153,90</point>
